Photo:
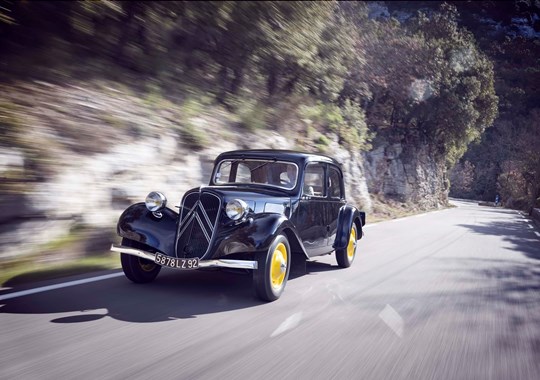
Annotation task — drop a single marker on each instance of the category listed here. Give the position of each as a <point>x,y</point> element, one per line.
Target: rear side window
<point>335,189</point>
<point>314,180</point>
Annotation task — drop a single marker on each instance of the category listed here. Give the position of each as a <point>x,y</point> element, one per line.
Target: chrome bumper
<point>224,263</point>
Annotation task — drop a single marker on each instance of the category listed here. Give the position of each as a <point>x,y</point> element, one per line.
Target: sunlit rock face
<point>352,163</point>
<point>406,173</point>
<point>103,150</point>
<point>96,188</point>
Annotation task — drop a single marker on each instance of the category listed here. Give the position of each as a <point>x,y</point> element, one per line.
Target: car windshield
<point>262,172</point>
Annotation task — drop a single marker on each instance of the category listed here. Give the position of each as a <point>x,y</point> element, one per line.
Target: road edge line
<point>42,289</point>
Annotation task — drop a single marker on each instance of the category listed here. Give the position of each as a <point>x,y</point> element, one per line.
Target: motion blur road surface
<point>453,294</point>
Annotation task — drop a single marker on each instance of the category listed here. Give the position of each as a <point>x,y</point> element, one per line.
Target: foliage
<point>252,116</point>
<point>193,136</point>
<point>427,82</point>
<point>462,179</point>
<point>348,122</point>
<point>507,159</point>
<point>239,52</point>
<point>423,79</point>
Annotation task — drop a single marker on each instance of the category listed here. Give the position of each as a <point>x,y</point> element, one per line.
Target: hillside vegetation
<point>330,65</point>
<point>428,75</point>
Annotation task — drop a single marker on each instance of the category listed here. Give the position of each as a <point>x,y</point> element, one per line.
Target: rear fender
<point>138,224</point>
<point>347,216</point>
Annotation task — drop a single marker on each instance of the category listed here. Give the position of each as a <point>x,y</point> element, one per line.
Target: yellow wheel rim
<point>278,266</point>
<point>351,248</point>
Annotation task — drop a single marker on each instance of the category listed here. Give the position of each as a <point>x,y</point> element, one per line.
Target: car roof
<point>287,155</point>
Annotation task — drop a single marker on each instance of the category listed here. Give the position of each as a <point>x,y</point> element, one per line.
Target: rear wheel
<point>135,268</point>
<point>346,256</point>
<point>271,276</point>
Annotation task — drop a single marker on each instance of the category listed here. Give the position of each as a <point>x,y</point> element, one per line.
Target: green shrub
<point>252,116</point>
<point>322,140</point>
<point>192,107</point>
<point>347,121</point>
<point>193,137</point>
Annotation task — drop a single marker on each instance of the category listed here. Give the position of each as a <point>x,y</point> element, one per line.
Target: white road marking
<point>288,324</point>
<point>537,233</point>
<point>58,286</point>
<point>408,217</point>
<point>392,319</point>
<point>530,226</point>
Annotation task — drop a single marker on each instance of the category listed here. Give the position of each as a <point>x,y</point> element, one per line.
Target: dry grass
<point>25,272</point>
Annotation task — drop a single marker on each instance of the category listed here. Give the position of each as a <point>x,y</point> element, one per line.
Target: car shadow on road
<point>173,295</point>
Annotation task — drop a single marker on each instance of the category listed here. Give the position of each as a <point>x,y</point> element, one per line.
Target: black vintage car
<point>262,211</point>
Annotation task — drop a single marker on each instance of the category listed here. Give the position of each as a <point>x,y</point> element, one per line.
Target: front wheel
<point>137,269</point>
<point>346,256</point>
<point>270,278</point>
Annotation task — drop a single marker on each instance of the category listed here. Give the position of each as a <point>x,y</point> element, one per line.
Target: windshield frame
<point>264,161</point>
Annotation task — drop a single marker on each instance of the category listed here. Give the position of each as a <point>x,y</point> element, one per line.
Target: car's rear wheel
<point>345,257</point>
<point>135,268</point>
<point>271,276</point>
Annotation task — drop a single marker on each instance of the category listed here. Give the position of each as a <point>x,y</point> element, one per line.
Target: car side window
<point>243,173</point>
<point>334,183</point>
<point>314,180</point>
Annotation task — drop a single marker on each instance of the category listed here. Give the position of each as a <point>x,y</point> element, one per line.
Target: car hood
<point>258,200</point>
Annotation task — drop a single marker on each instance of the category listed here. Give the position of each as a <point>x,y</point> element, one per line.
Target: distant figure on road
<point>497,200</point>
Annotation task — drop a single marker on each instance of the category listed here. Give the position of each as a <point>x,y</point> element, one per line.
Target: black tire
<point>137,269</point>
<point>345,256</point>
<point>269,284</point>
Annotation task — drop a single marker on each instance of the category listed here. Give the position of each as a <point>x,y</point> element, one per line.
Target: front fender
<point>347,216</point>
<point>138,224</point>
<point>257,233</point>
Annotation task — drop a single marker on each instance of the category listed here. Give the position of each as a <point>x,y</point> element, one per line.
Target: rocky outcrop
<point>94,190</point>
<point>406,173</point>
<point>356,187</point>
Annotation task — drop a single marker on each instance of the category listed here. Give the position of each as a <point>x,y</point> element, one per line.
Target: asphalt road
<point>453,294</point>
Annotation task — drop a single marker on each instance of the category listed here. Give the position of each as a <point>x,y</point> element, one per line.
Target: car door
<point>310,217</point>
<point>335,200</point>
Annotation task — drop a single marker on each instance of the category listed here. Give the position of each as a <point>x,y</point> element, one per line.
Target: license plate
<point>172,262</point>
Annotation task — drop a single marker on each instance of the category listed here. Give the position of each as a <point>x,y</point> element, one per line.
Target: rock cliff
<point>406,173</point>
<point>102,150</point>
<point>95,170</point>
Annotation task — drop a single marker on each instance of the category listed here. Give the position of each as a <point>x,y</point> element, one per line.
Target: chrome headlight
<point>236,209</point>
<point>155,201</point>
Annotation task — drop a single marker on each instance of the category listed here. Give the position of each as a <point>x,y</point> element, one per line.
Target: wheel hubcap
<point>351,248</point>
<point>146,266</point>
<point>278,266</point>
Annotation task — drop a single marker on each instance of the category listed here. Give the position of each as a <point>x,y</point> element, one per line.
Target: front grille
<point>198,221</point>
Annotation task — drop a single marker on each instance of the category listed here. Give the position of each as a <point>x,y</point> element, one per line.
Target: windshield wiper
<point>261,165</point>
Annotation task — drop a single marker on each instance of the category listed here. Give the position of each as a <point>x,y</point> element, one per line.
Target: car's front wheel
<point>345,257</point>
<point>137,269</point>
<point>271,276</point>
